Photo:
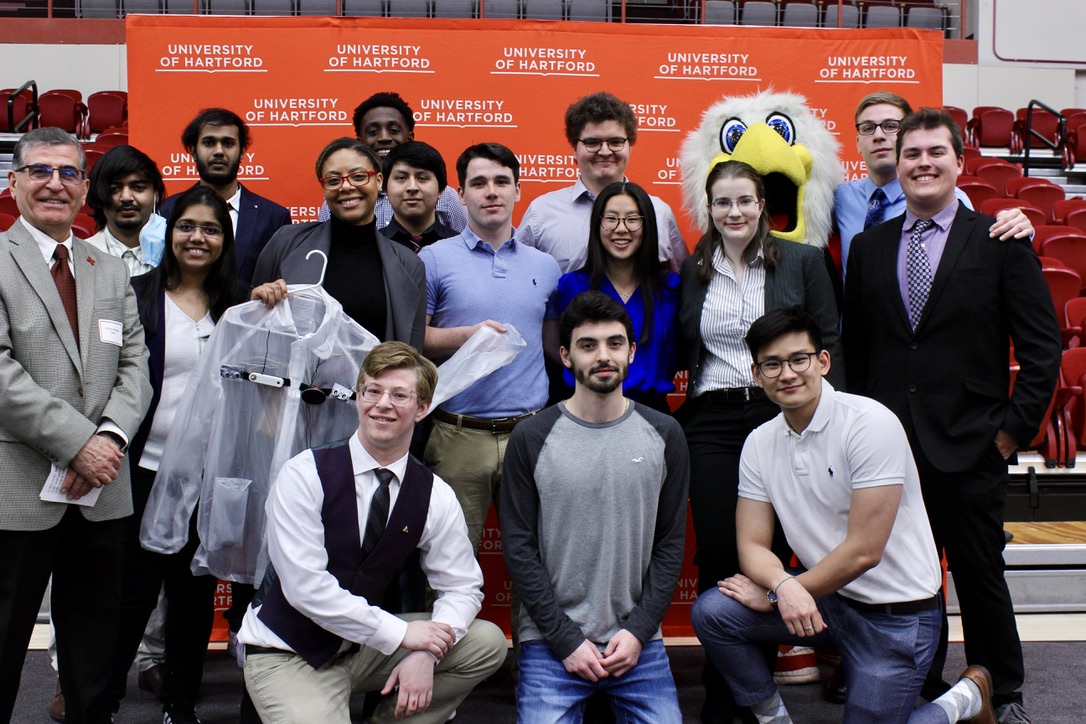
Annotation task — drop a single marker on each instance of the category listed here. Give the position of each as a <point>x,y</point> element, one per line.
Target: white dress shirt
<point>296,549</point>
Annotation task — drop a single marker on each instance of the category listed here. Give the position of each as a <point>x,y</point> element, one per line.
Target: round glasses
<point>798,362</point>
<point>610,223</point>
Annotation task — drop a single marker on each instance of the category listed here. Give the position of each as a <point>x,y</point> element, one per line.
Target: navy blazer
<point>404,273</point>
<point>800,278</point>
<point>948,381</point>
<point>258,219</point>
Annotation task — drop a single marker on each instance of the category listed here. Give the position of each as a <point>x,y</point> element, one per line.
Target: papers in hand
<point>50,493</point>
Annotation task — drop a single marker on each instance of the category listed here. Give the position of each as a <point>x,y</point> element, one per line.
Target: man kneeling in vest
<point>342,520</point>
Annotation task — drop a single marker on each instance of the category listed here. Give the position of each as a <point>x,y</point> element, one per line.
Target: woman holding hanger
<point>380,283</point>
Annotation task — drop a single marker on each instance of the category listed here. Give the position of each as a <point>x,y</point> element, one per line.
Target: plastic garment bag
<point>249,407</point>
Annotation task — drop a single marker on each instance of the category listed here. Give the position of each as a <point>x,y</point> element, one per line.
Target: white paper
<point>111,332</point>
<point>50,493</point>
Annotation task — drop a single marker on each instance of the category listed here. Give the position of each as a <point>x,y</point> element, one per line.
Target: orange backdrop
<point>296,82</point>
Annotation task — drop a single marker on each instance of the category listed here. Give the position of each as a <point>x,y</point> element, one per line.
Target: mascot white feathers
<point>792,150</point>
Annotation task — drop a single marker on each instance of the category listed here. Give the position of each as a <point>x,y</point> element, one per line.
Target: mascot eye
<point>730,133</point>
<point>783,125</point>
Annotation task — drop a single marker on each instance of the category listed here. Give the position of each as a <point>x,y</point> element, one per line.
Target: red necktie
<point>62,277</point>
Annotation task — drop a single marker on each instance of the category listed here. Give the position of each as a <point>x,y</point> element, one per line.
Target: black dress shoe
<point>834,689</point>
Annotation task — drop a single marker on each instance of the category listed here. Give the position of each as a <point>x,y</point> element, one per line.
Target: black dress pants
<point>84,559</point>
<point>190,605</point>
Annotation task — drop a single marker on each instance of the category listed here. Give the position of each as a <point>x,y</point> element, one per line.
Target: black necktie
<point>378,517</point>
<point>62,277</point>
<point>876,205</point>
<point>918,270</point>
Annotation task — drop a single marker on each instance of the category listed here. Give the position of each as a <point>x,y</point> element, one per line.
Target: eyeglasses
<point>333,181</point>
<point>745,203</point>
<point>40,172</point>
<point>610,223</point>
<point>889,127</point>
<point>209,230</point>
<point>593,145</point>
<point>398,397</point>
<point>798,362</point>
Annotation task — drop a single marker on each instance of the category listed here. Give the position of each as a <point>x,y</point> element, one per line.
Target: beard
<point>130,223</point>
<point>217,178</point>
<point>605,385</point>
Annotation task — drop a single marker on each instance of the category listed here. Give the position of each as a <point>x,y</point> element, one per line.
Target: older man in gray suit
<point>73,389</point>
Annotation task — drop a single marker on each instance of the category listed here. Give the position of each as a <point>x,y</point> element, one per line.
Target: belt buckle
<point>746,394</point>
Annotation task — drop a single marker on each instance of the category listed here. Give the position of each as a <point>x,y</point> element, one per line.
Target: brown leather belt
<point>495,425</point>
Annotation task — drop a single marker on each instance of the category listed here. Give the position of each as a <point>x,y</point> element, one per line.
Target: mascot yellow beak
<point>785,168</point>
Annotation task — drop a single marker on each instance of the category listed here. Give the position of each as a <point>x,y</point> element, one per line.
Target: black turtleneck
<point>355,276</point>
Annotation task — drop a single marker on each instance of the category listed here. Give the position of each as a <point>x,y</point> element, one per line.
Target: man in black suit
<point>930,302</point>
<point>217,139</point>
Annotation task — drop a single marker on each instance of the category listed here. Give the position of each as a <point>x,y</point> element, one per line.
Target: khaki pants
<point>287,690</point>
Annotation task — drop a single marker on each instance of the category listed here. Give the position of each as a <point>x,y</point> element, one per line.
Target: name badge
<point>111,332</point>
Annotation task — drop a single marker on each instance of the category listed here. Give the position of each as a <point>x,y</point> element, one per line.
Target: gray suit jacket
<point>404,272</point>
<point>53,395</point>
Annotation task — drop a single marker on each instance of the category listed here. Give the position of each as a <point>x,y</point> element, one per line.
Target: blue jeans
<point>548,694</point>
<point>886,657</point>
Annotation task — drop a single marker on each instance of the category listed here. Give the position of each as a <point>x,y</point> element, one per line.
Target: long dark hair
<point>650,277</point>
<point>220,284</point>
<point>769,244</point>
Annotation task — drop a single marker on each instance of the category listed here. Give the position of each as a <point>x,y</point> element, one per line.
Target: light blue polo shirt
<point>468,282</point>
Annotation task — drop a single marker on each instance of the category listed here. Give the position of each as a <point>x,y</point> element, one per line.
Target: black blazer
<point>258,219</point>
<point>801,278</point>
<point>948,382</point>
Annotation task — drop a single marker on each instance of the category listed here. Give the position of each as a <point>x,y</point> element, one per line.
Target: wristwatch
<point>771,596</point>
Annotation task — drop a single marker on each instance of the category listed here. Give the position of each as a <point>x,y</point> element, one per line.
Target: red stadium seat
<point>969,152</point>
<point>1068,248</point>
<point>1077,219</point>
<point>62,110</point>
<point>994,127</point>
<point>1060,209</point>
<point>109,140</point>
<point>1074,314</point>
<point>84,226</point>
<point>8,205</point>
<point>977,189</point>
<point>998,172</point>
<point>1044,123</point>
<point>93,155</point>
<point>1043,196</point>
<point>6,220</point>
<point>20,109</point>
<point>107,108</point>
<point>1044,232</point>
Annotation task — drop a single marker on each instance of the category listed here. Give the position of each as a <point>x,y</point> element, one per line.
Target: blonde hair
<point>401,356</point>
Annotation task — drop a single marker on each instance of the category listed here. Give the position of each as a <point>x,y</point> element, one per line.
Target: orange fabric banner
<point>296,82</point>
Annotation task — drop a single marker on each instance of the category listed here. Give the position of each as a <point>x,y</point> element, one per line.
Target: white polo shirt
<point>852,443</point>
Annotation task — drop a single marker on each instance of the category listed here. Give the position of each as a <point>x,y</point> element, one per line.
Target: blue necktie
<point>918,269</point>
<point>876,205</point>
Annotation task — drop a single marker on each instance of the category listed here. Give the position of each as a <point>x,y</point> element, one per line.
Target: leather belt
<point>737,394</point>
<point>250,650</point>
<point>896,609</point>
<point>490,424</point>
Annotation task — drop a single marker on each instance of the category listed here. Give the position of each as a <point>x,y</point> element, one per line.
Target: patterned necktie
<point>875,208</point>
<point>918,269</point>
<point>62,277</point>
<point>378,517</point>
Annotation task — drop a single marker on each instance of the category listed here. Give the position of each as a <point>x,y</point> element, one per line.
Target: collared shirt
<point>436,232</point>
<point>730,308</point>
<point>933,240</point>
<point>850,203</point>
<point>295,535</point>
<point>557,223</point>
<point>450,211</point>
<point>142,258</point>
<point>234,205</point>
<point>467,281</point>
<point>851,443</point>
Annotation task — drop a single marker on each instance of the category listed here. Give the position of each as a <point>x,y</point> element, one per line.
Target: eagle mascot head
<point>792,150</point>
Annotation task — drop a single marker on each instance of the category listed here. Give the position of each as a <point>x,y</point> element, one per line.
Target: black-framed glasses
<point>610,222</point>
<point>799,362</point>
<point>333,181</point>
<point>398,397</point>
<point>188,228</point>
<point>593,145</point>
<point>890,127</point>
<point>744,203</point>
<point>41,172</point>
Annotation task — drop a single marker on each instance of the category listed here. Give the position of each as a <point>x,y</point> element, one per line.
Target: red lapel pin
<point>90,260</point>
